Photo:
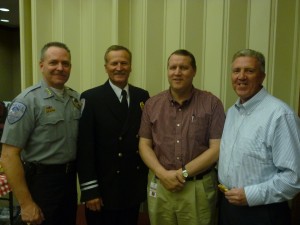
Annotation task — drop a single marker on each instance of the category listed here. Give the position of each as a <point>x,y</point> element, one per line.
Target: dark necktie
<point>124,101</point>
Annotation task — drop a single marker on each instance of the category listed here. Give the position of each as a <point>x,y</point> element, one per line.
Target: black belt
<point>198,176</point>
<point>38,168</point>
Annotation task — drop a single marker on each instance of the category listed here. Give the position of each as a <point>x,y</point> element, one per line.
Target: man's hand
<point>32,214</point>
<point>94,204</point>
<point>236,196</point>
<point>172,180</point>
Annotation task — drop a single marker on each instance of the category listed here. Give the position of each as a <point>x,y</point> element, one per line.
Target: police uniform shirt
<point>43,124</point>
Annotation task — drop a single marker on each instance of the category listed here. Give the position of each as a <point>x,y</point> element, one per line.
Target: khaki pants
<point>194,205</point>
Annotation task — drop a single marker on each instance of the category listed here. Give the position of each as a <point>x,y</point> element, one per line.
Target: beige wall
<point>211,29</point>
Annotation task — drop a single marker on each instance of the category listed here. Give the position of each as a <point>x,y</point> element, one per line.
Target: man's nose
<point>242,75</point>
<point>59,66</point>
<point>178,70</point>
<point>119,66</point>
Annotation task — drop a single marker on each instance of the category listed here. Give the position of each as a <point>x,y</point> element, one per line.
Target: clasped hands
<point>172,180</point>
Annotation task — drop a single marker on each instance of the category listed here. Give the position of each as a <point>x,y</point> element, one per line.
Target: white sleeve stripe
<point>89,187</point>
<point>88,183</point>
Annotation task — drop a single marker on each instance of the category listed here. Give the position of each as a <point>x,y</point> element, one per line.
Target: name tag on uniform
<point>49,109</point>
<point>153,188</point>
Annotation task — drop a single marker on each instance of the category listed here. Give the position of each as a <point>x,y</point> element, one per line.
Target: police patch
<point>16,112</point>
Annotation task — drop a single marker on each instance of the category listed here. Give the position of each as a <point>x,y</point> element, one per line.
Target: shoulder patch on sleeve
<point>16,112</point>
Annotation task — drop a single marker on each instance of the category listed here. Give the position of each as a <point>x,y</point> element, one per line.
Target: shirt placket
<point>178,137</point>
<point>232,165</point>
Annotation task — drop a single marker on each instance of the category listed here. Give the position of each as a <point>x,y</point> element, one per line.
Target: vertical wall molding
<point>163,79</point>
<point>25,43</point>
<point>204,50</point>
<point>294,95</point>
<point>34,42</point>
<point>225,66</point>
<point>139,9</point>
<point>115,21</point>
<point>173,36</point>
<point>284,50</point>
<point>144,43</point>
<point>183,21</point>
<point>213,46</point>
<point>270,69</point>
<point>58,21</point>
<point>137,43</point>
<point>87,35</point>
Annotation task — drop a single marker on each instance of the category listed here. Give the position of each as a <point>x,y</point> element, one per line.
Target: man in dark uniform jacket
<point>111,173</point>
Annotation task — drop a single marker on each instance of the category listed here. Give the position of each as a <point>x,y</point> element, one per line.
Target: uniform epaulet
<point>30,89</point>
<point>72,92</point>
<point>68,88</point>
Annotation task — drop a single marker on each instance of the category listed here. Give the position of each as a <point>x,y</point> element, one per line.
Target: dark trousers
<point>113,217</point>
<point>56,194</point>
<point>271,214</point>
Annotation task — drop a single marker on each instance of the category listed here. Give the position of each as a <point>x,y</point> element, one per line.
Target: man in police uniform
<point>39,143</point>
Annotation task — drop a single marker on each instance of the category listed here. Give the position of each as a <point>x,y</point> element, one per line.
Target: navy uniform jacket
<point>109,165</point>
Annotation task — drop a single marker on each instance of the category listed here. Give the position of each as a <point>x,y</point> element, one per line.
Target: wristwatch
<point>185,173</point>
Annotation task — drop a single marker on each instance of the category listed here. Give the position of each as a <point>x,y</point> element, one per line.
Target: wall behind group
<point>213,30</point>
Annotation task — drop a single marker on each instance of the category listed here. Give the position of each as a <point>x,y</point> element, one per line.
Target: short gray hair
<point>117,48</point>
<point>251,53</point>
<point>54,44</point>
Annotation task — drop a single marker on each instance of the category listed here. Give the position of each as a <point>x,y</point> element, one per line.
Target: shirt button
<point>120,138</point>
<point>137,136</point>
<point>178,125</point>
<point>137,152</point>
<point>177,141</point>
<point>137,167</point>
<point>120,154</point>
<point>118,171</point>
<point>178,158</point>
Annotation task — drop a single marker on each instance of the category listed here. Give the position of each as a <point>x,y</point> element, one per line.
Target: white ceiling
<point>12,15</point>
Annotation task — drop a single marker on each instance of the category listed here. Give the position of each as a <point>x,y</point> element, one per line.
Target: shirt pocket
<point>198,127</point>
<point>51,127</point>
<point>256,152</point>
